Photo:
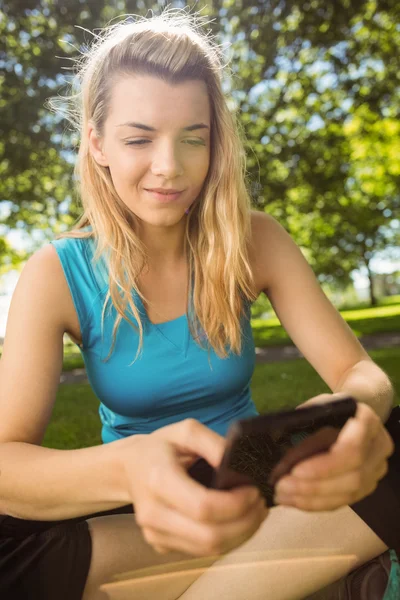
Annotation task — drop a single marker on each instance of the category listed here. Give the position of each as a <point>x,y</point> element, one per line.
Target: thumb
<point>194,438</point>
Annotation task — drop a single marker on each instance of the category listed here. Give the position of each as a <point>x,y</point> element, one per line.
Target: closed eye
<point>141,142</point>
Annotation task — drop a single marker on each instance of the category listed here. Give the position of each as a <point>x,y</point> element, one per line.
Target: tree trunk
<point>371,285</point>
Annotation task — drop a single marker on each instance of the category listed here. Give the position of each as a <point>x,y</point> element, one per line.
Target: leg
<point>290,529</point>
<point>118,546</point>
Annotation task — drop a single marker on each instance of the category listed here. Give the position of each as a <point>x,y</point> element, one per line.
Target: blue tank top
<point>171,380</point>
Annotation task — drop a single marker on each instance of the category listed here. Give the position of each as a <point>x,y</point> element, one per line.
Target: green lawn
<point>75,422</point>
<point>362,321</point>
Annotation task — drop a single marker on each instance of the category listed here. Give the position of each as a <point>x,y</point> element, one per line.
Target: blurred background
<point>316,86</point>
<point>317,89</point>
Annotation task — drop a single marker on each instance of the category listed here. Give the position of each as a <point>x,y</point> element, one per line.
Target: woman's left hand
<point>345,474</point>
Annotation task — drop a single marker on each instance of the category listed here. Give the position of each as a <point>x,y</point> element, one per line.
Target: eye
<point>141,142</point>
<point>137,142</point>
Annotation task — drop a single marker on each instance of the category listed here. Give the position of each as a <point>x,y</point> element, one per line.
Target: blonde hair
<point>169,46</point>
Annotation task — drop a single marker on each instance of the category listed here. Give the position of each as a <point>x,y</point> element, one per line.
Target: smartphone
<point>260,450</point>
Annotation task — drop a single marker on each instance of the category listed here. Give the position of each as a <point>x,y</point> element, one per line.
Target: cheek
<point>125,169</point>
<point>201,169</point>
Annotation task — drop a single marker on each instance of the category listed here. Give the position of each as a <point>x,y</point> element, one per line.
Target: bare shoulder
<point>311,321</point>
<point>32,357</point>
<point>47,257</point>
<point>44,265</point>
<point>263,235</point>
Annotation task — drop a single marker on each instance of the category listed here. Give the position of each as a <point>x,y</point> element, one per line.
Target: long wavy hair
<point>171,46</point>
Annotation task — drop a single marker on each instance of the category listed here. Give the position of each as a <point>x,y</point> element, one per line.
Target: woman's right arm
<point>36,482</point>
<point>149,471</point>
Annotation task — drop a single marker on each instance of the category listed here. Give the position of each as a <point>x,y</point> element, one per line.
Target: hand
<point>176,512</point>
<point>348,472</point>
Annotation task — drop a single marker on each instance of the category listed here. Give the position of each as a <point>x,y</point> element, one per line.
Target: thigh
<point>287,533</point>
<point>118,546</point>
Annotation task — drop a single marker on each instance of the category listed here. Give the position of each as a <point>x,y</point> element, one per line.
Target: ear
<point>96,146</point>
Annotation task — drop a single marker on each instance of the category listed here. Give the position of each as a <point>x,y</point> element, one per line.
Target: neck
<point>164,245</point>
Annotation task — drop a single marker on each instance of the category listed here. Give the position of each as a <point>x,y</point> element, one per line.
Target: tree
<point>329,87</point>
<point>314,83</point>
<point>39,38</point>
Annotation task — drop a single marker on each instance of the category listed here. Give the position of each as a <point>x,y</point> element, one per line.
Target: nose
<point>167,161</point>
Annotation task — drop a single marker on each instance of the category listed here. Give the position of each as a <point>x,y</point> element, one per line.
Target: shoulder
<point>263,224</point>
<point>45,259</point>
<point>268,238</point>
<point>42,278</point>
<point>47,262</point>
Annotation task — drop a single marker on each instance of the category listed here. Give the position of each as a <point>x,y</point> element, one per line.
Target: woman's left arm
<point>367,383</point>
<point>357,460</point>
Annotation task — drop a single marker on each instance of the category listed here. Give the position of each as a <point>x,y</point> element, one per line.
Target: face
<point>170,156</point>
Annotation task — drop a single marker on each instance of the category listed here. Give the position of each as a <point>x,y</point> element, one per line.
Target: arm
<point>37,482</point>
<point>357,460</point>
<point>313,323</point>
<point>366,382</point>
<point>45,484</point>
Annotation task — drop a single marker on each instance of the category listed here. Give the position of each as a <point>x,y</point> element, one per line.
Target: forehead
<point>157,103</point>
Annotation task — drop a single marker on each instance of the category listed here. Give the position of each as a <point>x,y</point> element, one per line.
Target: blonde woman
<point>155,284</point>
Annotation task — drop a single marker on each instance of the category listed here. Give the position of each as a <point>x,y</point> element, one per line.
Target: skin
<point>170,157</point>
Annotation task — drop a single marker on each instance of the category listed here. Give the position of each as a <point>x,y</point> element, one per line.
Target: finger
<point>173,487</point>
<point>349,485</point>
<point>376,462</point>
<point>347,453</point>
<point>364,427</point>
<point>318,442</point>
<point>388,442</point>
<point>317,400</point>
<point>194,437</point>
<point>313,503</point>
<point>340,485</point>
<point>175,532</point>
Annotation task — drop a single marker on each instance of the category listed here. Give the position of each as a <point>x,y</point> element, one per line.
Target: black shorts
<point>50,560</point>
<point>46,560</point>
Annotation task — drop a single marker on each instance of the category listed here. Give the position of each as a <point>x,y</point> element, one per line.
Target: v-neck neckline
<point>164,330</point>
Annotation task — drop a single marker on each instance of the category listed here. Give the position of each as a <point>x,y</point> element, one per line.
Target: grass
<point>362,321</point>
<point>75,422</point>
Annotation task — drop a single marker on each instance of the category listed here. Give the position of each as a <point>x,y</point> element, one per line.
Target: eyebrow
<point>148,128</point>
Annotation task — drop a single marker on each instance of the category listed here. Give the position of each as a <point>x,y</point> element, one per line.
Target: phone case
<point>262,449</point>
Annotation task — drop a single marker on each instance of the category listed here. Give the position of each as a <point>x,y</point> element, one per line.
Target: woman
<point>169,243</point>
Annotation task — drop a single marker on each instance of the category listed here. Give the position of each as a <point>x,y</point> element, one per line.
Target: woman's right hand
<point>174,511</point>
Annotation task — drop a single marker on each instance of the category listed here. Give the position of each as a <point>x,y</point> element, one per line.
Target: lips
<point>165,197</point>
<point>165,191</point>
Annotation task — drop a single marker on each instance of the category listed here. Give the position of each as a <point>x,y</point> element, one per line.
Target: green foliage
<point>322,130</point>
<point>11,258</point>
<point>315,85</point>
